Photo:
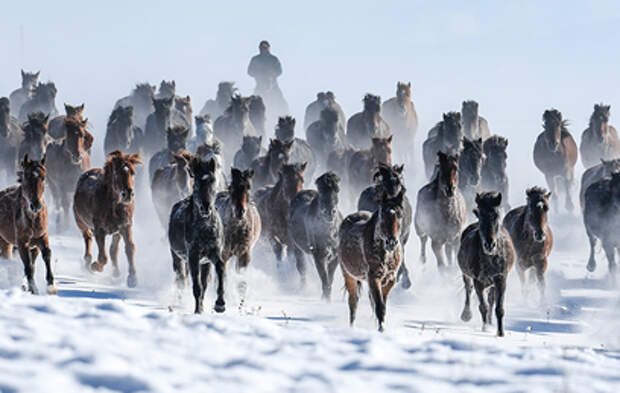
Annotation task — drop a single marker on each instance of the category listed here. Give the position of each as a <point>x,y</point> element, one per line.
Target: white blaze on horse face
<point>205,176</point>
<point>540,205</point>
<point>126,168</point>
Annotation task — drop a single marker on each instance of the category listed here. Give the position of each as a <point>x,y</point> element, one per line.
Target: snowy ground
<point>97,335</point>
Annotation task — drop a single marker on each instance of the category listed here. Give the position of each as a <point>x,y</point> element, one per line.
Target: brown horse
<point>446,136</point>
<point>240,218</point>
<point>67,159</point>
<point>370,249</point>
<point>366,124</point>
<point>56,126</point>
<point>531,235</point>
<point>485,256</point>
<point>273,205</point>
<point>555,155</point>
<point>441,211</point>
<point>400,114</point>
<point>600,139</point>
<point>23,222</point>
<point>171,184</point>
<point>233,125</point>
<point>35,137</point>
<point>267,168</point>
<point>103,204</point>
<point>362,164</point>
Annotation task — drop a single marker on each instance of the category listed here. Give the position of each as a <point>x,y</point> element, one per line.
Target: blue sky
<point>516,58</point>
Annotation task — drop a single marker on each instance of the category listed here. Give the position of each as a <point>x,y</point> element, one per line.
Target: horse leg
<point>466,314</point>
<point>130,249</point>
<point>522,278</point>
<point>483,303</point>
<point>320,261</point>
<point>278,249</point>
<point>44,245</point>
<point>300,262</point>
<point>500,289</point>
<point>491,303</point>
<point>610,252</point>
<point>541,268</point>
<point>331,269</point>
<point>102,258</point>
<point>6,249</point>
<point>403,273</point>
<point>66,209</point>
<point>568,186</point>
<point>179,268</point>
<point>439,254</point>
<point>378,301</point>
<point>423,240</point>
<point>554,192</point>
<point>353,288</point>
<point>220,270</point>
<point>24,253</point>
<point>116,239</point>
<point>592,260</point>
<point>194,269</point>
<point>205,272</point>
<point>243,261</point>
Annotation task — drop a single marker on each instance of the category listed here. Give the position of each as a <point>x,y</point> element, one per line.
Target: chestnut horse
<point>103,204</point>
<point>67,159</point>
<point>23,222</point>
<point>600,140</point>
<point>555,155</point>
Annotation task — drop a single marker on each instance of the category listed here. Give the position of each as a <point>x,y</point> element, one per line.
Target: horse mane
<point>235,100</point>
<point>130,159</point>
<point>535,193</point>
<point>38,119</point>
<point>215,147</point>
<point>495,141</point>
<point>118,113</point>
<point>601,113</point>
<point>372,102</point>
<point>73,123</point>
<point>286,123</point>
<point>177,130</point>
<point>554,116</point>
<point>328,180</point>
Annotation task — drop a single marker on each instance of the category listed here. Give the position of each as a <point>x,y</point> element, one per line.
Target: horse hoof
<point>405,283</point>
<point>466,316</point>
<point>591,266</point>
<point>52,290</point>
<point>132,281</point>
<point>381,329</point>
<point>96,267</point>
<point>220,306</point>
<point>485,327</point>
<point>116,273</point>
<point>500,333</point>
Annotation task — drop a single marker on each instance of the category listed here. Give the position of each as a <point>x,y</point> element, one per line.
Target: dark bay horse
<point>314,221</point>
<point>176,142</point>
<point>603,170</point>
<point>56,126</point>
<point>266,168</point>
<point>251,149</point>
<point>362,163</point>
<point>600,139</point>
<point>470,168</point>
<point>233,125</point>
<point>122,133</point>
<point>171,184</point>
<point>389,181</point>
<point>23,222</point>
<point>300,150</point>
<point>601,216</point>
<point>494,176</point>
<point>370,250</point>
<point>441,212</point>
<point>446,136</point>
<point>196,235</point>
<point>67,159</point>
<point>555,155</point>
<point>367,124</point>
<point>531,236</point>
<point>103,204</point>
<point>474,125</point>
<point>326,135</point>
<point>485,256</point>
<point>35,137</point>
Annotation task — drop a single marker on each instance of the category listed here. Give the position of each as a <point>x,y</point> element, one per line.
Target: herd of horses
<point>219,187</point>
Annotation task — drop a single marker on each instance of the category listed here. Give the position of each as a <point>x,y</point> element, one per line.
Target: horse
<point>441,211</point>
<point>56,126</point>
<point>233,125</point>
<point>338,162</point>
<point>213,150</point>
<point>171,184</point>
<point>19,96</point>
<point>240,218</point>
<point>103,204</point>
<point>362,163</point>
<point>601,215</point>
<point>600,139</point>
<point>555,155</point>
<point>176,142</point>
<point>531,235</point>
<point>326,135</point>
<point>204,133</point>
<point>300,150</point>
<point>402,118</point>
<point>313,224</point>
<point>156,125</point>
<point>258,114</point>
<point>122,133</point>
<point>67,159</point>
<point>216,108</point>
<point>196,235</point>
<point>141,99</point>
<point>446,136</point>
<point>367,124</point>
<point>11,136</point>
<point>493,173</point>
<point>474,125</point>
<point>23,222</point>
<point>42,100</point>
<point>370,249</point>
<point>323,101</point>
<point>250,150</point>
<point>596,173</point>
<point>470,165</point>
<point>273,204</point>
<point>267,167</point>
<point>485,256</point>
<point>35,137</point>
<point>389,180</point>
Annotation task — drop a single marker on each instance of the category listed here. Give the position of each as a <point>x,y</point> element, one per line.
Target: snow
<point>97,335</point>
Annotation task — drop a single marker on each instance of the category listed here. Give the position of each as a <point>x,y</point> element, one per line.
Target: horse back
<point>352,243</point>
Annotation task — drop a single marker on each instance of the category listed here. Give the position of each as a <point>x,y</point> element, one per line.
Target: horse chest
<point>381,262</point>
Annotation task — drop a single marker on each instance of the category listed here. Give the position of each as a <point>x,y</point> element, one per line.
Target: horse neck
<point>240,119</point>
<point>372,118</point>
<point>600,129</point>
<point>470,124</point>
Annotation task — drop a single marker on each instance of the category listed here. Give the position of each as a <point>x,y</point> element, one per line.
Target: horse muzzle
<point>127,196</point>
<point>540,237</point>
<point>35,207</point>
<point>489,247</point>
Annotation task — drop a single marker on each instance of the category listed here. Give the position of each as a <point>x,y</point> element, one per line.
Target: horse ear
<point>548,195</point>
<point>303,167</point>
<point>477,200</point>
<point>212,165</point>
<point>37,74</point>
<point>84,122</point>
<point>260,140</point>
<point>26,161</point>
<point>23,73</point>
<point>498,199</point>
<point>81,107</point>
<point>476,213</point>
<point>389,139</point>
<point>249,173</point>
<point>66,107</point>
<point>88,140</point>
<point>399,168</point>
<point>43,159</point>
<point>234,172</point>
<point>46,118</point>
